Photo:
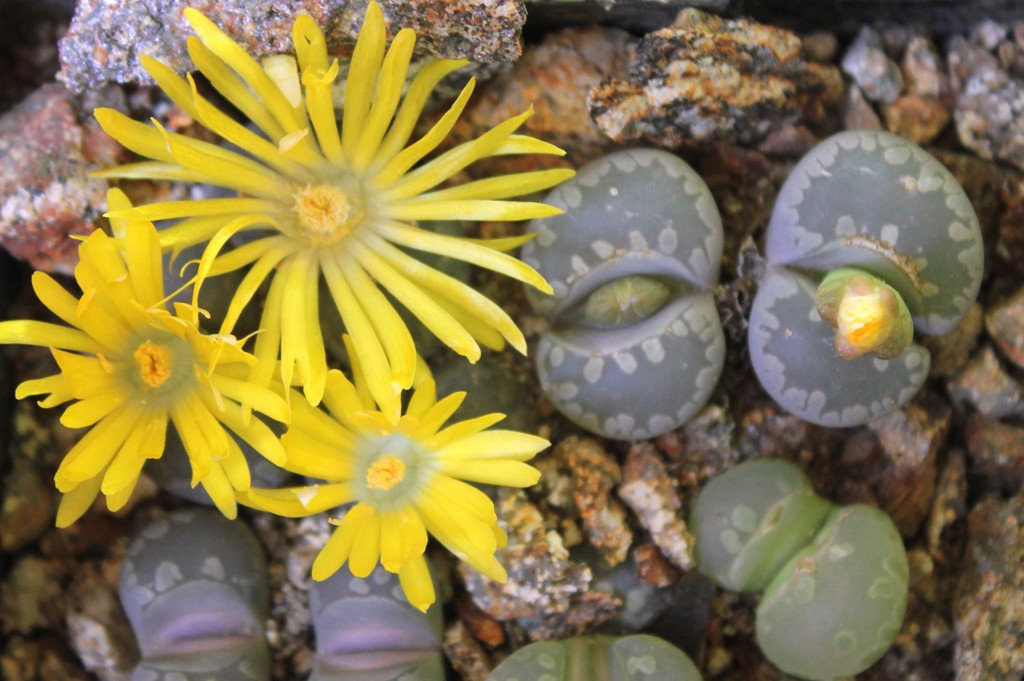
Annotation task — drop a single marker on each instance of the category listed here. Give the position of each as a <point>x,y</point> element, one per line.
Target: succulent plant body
<point>869,237</point>
<point>834,578</point>
<point>636,346</point>
<point>194,587</point>
<point>588,658</point>
<point>366,630</point>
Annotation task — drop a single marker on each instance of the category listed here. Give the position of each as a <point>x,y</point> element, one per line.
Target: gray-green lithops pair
<point>366,630</point>
<point>635,345</point>
<point>194,587</point>
<point>589,658</point>
<point>870,239</point>
<point>834,578</point>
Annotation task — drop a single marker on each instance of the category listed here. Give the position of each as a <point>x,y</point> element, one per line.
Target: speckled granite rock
<point>704,79</point>
<point>989,609</point>
<point>986,385</point>
<point>106,39</point>
<point>877,75</point>
<point>45,193</point>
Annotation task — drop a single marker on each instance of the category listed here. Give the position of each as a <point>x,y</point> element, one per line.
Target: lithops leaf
<point>752,519</point>
<point>793,353</point>
<point>636,345</point>
<point>366,630</point>
<point>639,211</point>
<point>194,587</point>
<point>837,606</point>
<point>638,381</point>
<point>630,658</point>
<point>873,200</point>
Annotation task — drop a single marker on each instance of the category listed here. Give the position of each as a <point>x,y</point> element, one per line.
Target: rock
<point>465,653</point>
<point>910,438</point>
<point>705,79</point>
<point>858,113</point>
<point>651,493</point>
<point>31,596</point>
<point>106,39</point>
<point>988,34</point>
<point>950,501</point>
<point>919,119</point>
<point>997,451</point>
<point>28,505</point>
<point>951,351</point>
<point>97,627</point>
<point>484,628</point>
<point>39,658</point>
<point>554,77</point>
<point>923,71</point>
<point>989,116</point>
<point>1005,324</point>
<point>965,58</point>
<point>988,610</point>
<point>45,192</point>
<point>594,475</point>
<point>986,386</point>
<point>871,69</point>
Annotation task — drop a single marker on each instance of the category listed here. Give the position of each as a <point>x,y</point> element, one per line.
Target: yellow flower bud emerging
<point>869,316</point>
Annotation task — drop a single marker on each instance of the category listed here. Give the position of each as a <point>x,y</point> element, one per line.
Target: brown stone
<point>951,351</point>
<point>465,653</point>
<point>45,192</point>
<point>997,451</point>
<point>986,385</point>
<point>1005,324</point>
<point>919,119</point>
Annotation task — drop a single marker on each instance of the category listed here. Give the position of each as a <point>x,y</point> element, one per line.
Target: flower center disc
<point>154,362</point>
<point>860,320</point>
<point>326,213</point>
<point>385,472</point>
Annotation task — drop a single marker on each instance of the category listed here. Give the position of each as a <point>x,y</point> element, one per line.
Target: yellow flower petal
<point>75,502</point>
<point>416,583</point>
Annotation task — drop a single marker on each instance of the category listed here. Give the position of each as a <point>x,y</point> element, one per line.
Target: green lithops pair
<point>589,658</point>
<point>834,578</point>
<point>871,238</point>
<point>635,345</point>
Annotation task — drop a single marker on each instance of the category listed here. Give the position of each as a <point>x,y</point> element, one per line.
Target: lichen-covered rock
<point>876,203</point>
<point>636,346</point>
<point>194,587</point>
<point>106,39</point>
<point>705,79</point>
<point>989,610</point>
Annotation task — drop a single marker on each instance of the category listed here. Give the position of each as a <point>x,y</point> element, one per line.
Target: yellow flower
<point>406,476</point>
<point>337,200</point>
<point>132,366</point>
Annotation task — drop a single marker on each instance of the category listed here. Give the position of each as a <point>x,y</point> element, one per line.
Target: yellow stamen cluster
<point>385,473</point>
<point>860,320</point>
<point>154,362</point>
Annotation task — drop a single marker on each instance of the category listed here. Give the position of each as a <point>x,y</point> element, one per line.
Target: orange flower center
<point>385,472</point>
<point>861,320</point>
<point>326,213</point>
<point>154,362</point>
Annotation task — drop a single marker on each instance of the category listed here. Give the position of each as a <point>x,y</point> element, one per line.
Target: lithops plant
<point>367,631</point>
<point>870,239</point>
<point>194,587</point>
<point>635,345</point>
<point>630,658</point>
<point>834,579</point>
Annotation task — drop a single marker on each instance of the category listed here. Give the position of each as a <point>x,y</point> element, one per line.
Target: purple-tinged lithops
<point>834,579</point>
<point>367,631</point>
<point>630,658</point>
<point>879,209</point>
<point>635,346</point>
<point>194,587</point>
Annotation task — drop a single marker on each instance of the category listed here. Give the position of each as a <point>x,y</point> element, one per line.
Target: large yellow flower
<point>341,202</point>
<point>133,366</point>
<point>406,476</point>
